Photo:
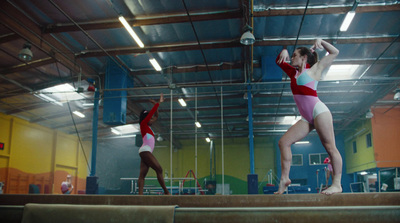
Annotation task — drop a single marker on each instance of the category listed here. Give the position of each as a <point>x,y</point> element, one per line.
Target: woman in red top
<point>146,150</point>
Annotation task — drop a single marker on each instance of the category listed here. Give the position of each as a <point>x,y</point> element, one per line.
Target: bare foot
<point>332,190</point>
<point>283,185</point>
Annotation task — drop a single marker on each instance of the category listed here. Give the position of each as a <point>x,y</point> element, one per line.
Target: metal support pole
<point>195,143</point>
<point>94,132</point>
<point>222,141</point>
<point>251,138</point>
<point>170,140</point>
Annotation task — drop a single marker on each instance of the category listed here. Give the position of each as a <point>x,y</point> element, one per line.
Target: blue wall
<point>309,172</point>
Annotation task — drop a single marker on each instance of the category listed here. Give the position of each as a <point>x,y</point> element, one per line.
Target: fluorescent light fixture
<point>208,139</point>
<point>79,114</point>
<point>88,104</point>
<point>130,31</point>
<point>63,92</point>
<point>182,102</point>
<point>126,129</point>
<point>198,124</point>
<point>347,20</point>
<point>364,173</point>
<point>341,72</point>
<point>155,64</point>
<point>302,142</point>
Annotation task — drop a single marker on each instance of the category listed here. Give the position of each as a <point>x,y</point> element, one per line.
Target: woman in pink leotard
<point>305,72</point>
<point>146,150</point>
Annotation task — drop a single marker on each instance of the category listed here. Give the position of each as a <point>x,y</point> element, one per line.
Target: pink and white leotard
<point>147,132</point>
<point>304,89</point>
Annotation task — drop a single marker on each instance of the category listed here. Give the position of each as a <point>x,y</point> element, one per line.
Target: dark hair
<point>312,57</point>
<point>143,115</point>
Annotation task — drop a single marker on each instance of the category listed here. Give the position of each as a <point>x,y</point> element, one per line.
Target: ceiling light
<point>155,64</point>
<point>347,20</point>
<point>364,173</point>
<point>182,102</point>
<point>349,17</point>
<point>198,124</point>
<point>302,142</point>
<point>208,139</point>
<point>247,38</point>
<point>79,114</point>
<point>130,31</point>
<point>369,114</point>
<point>397,94</point>
<point>88,104</point>
<point>26,53</point>
<point>159,138</point>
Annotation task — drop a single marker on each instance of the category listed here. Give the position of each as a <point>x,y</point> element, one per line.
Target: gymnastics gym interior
<point>76,74</point>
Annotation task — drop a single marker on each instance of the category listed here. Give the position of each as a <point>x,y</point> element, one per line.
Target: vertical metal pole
<point>251,138</point>
<point>222,142</point>
<point>94,132</point>
<point>379,179</point>
<point>195,143</point>
<point>170,140</point>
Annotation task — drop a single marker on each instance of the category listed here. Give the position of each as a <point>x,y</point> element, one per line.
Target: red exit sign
<point>1,146</point>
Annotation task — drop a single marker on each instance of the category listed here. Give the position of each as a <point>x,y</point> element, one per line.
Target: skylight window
<point>341,72</point>
<point>59,94</point>
<point>126,129</point>
<point>290,120</point>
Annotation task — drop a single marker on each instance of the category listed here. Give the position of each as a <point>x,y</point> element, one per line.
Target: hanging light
<point>208,139</point>
<point>26,53</point>
<point>247,37</point>
<point>369,114</point>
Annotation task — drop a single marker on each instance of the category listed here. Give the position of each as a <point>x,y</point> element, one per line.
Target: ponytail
<point>312,57</point>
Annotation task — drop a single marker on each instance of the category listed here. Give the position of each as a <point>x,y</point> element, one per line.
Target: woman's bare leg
<point>295,133</point>
<point>143,172</point>
<point>324,126</point>
<point>152,162</point>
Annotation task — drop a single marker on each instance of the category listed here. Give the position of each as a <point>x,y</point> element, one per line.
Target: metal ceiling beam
<point>8,37</point>
<point>144,21</point>
<point>21,25</point>
<point>228,44</point>
<point>29,65</point>
<point>317,10</point>
<point>207,16</point>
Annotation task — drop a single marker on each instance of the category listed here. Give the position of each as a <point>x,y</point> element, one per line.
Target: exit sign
<point>1,146</point>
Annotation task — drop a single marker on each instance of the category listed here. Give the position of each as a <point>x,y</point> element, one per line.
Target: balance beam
<point>286,200</point>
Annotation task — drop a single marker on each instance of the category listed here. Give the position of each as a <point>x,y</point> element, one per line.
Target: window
<point>369,140</point>
<point>317,158</point>
<point>297,160</point>
<point>354,147</point>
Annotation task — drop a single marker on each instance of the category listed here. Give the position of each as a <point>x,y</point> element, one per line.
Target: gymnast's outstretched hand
<point>161,98</point>
<point>284,56</point>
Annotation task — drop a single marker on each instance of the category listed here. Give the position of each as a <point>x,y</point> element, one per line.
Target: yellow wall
<point>364,158</point>
<point>236,159</point>
<point>35,154</point>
